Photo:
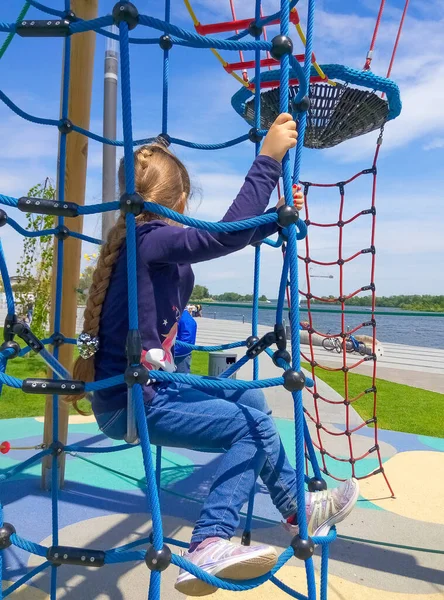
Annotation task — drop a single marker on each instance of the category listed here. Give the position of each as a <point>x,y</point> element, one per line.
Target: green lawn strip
<point>400,407</point>
<point>15,403</point>
<point>199,363</point>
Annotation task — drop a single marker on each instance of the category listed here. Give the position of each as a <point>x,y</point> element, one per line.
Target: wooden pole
<point>80,88</point>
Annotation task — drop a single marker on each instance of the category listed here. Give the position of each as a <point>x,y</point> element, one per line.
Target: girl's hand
<point>281,136</point>
<point>298,198</point>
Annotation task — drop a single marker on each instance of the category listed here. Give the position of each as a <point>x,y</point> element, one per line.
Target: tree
<point>86,278</point>
<point>35,265</point>
<point>200,292</point>
<point>229,297</point>
<point>263,298</point>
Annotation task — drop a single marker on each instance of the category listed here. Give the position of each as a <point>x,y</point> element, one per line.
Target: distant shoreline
<point>325,307</point>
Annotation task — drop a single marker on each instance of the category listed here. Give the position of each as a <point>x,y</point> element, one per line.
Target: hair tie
<point>163,139</point>
<point>87,345</point>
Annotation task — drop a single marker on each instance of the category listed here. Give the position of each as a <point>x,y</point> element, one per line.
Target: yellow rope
<point>215,52</point>
<point>192,13</point>
<point>317,68</point>
<point>224,63</point>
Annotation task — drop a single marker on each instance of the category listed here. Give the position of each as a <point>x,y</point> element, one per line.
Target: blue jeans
<point>183,364</point>
<point>235,422</point>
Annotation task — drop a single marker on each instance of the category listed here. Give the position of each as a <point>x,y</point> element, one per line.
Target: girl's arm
<point>264,231</point>
<point>177,245</point>
<point>170,244</point>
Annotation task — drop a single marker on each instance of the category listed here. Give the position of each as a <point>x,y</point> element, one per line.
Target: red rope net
<point>349,362</point>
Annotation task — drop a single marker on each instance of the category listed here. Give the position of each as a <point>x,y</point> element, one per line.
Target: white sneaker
<point>224,559</point>
<point>325,509</point>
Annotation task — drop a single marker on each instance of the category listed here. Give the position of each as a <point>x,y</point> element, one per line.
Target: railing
<point>352,311</point>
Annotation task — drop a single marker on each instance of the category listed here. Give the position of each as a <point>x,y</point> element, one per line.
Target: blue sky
<point>410,240</point>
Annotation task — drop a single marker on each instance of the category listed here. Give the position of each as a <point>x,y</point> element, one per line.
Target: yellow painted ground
<point>73,419</point>
<point>418,484</point>
<point>26,592</point>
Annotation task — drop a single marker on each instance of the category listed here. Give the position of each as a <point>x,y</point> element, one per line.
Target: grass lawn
<point>400,407</point>
<point>14,403</point>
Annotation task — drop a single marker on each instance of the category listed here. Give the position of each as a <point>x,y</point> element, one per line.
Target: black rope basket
<point>337,113</point>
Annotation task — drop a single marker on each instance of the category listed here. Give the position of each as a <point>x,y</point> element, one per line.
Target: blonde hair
<point>161,178</point>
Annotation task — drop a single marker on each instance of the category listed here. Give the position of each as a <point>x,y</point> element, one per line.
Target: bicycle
<point>351,344</point>
<point>332,343</point>
<point>354,345</point>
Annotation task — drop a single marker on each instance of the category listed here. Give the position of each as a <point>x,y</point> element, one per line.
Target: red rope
<point>398,36</point>
<point>241,54</point>
<point>375,35</point>
<point>341,262</point>
<point>349,362</point>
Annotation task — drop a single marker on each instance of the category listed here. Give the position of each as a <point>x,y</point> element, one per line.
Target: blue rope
<point>99,450</point>
<point>8,200</point>
<point>99,138</point>
<point>194,40</point>
<point>10,381</point>
<point>282,289</point>
<point>257,250</point>
<point>158,467</point>
<point>151,487</point>
<point>324,572</point>
<point>86,238</point>
<point>204,383</point>
<point>234,586</point>
<point>16,469</point>
<point>166,72</point>
<point>288,590</point>
<point>293,267</point>
<point>365,79</point>
<point>1,555</point>
<point>25,578</point>
<point>210,348</point>
<point>289,68</point>
<point>311,452</point>
<point>6,282</point>
<point>273,243</point>
<point>47,9</point>
<point>222,226</point>
<point>235,367</point>
<point>91,25</point>
<point>29,546</point>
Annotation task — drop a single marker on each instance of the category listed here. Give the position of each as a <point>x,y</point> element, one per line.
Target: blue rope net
<point>157,550</point>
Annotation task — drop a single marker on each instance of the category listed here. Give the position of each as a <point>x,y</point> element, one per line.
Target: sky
<point>410,207</point>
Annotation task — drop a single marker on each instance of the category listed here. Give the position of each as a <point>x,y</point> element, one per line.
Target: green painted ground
<point>400,407</point>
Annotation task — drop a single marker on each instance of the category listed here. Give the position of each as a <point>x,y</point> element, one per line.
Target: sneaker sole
<point>250,568</point>
<point>340,516</point>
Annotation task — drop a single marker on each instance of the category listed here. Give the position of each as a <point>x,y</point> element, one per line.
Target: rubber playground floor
<point>102,506</point>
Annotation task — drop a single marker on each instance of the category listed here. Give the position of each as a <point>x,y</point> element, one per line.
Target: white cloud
<point>434,144</point>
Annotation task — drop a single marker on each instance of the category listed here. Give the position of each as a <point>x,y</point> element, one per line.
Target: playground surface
<point>102,505</point>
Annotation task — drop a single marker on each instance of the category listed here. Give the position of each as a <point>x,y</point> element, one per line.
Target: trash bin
<point>218,362</point>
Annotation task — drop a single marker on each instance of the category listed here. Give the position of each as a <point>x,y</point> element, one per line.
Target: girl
<point>236,422</point>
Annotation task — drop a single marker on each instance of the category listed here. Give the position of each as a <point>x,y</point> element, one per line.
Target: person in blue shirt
<point>186,332</point>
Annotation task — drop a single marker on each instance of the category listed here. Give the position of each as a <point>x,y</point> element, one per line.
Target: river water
<point>415,331</point>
